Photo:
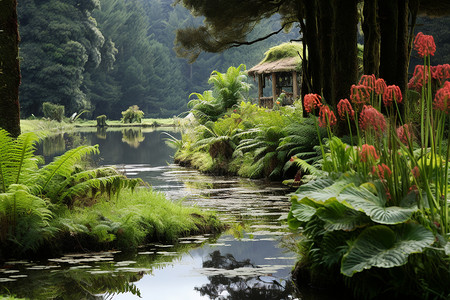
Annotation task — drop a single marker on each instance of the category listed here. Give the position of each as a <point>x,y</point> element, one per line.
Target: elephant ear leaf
<point>382,247</point>
<point>301,211</point>
<point>360,198</point>
<point>337,216</point>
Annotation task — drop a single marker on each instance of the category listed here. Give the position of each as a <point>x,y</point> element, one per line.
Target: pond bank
<point>125,223</point>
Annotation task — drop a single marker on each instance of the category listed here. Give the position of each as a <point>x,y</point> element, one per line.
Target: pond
<point>251,260</point>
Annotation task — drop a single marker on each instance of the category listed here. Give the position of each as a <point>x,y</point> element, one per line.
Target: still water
<point>251,260</point>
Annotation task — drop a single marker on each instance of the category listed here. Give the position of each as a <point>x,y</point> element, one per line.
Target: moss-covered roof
<point>281,58</point>
<point>282,51</point>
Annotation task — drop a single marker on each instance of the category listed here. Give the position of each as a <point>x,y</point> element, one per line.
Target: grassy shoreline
<point>51,126</point>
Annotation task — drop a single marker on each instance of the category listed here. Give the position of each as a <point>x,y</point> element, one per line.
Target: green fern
<point>26,190</point>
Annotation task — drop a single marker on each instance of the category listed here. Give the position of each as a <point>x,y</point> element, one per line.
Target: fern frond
<point>63,165</point>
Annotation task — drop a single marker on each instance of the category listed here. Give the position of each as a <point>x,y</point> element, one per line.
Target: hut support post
<point>294,85</point>
<point>260,88</point>
<point>274,88</point>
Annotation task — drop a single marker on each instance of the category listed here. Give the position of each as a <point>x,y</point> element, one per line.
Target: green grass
<point>132,219</point>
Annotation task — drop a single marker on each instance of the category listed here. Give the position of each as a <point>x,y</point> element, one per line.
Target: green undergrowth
<point>132,219</point>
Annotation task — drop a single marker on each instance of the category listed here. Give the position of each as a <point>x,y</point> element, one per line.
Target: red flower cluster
<point>368,81</point>
<point>326,117</point>
<point>370,118</point>
<point>424,44</point>
<point>312,102</point>
<point>440,73</point>
<point>380,86</point>
<point>382,171</point>
<point>404,133</point>
<point>392,93</point>
<point>442,98</point>
<point>360,94</point>
<point>368,153</point>
<point>345,108</point>
<point>418,79</point>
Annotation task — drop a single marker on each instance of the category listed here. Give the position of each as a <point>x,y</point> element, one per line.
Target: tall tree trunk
<point>371,31</point>
<point>10,70</point>
<point>310,35</point>
<point>402,46</point>
<point>325,43</point>
<point>345,63</point>
<point>388,13</point>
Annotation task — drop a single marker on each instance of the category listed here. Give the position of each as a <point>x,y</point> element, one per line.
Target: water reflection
<point>226,285</point>
<point>247,262</point>
<point>101,132</point>
<point>132,136</point>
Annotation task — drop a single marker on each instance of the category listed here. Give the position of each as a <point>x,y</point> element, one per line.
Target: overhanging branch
<point>237,44</point>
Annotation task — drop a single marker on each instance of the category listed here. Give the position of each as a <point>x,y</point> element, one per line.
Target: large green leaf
<point>322,190</point>
<point>337,216</point>
<point>304,209</point>
<point>374,206</point>
<point>385,247</point>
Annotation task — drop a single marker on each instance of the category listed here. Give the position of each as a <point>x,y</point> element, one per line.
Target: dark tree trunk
<point>402,46</point>
<point>388,13</point>
<point>345,63</point>
<point>310,35</point>
<point>325,43</point>
<point>371,31</point>
<point>9,65</point>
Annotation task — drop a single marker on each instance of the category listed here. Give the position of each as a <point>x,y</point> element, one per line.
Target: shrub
<point>53,111</point>
<point>132,115</point>
<point>101,121</point>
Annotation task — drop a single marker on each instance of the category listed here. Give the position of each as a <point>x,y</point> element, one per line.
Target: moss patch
<point>283,51</point>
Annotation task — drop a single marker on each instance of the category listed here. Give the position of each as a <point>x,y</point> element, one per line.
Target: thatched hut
<point>282,66</point>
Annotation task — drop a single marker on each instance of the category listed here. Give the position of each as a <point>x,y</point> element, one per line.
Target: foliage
<point>247,140</point>
<point>115,55</point>
<point>385,201</point>
<point>28,191</point>
<point>132,115</point>
<point>132,219</point>
<point>53,111</point>
<point>101,120</point>
<point>228,90</point>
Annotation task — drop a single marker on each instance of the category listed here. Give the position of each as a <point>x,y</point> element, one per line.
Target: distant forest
<point>106,55</point>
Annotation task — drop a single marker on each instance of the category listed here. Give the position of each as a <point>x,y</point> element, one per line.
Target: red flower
<point>415,172</point>
<point>404,133</point>
<point>311,102</point>
<point>370,118</point>
<point>418,79</point>
<point>442,98</point>
<point>368,81</point>
<point>360,94</point>
<point>380,86</point>
<point>424,44</point>
<point>345,108</point>
<point>368,153</point>
<point>382,171</point>
<point>392,93</point>
<point>326,117</point>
